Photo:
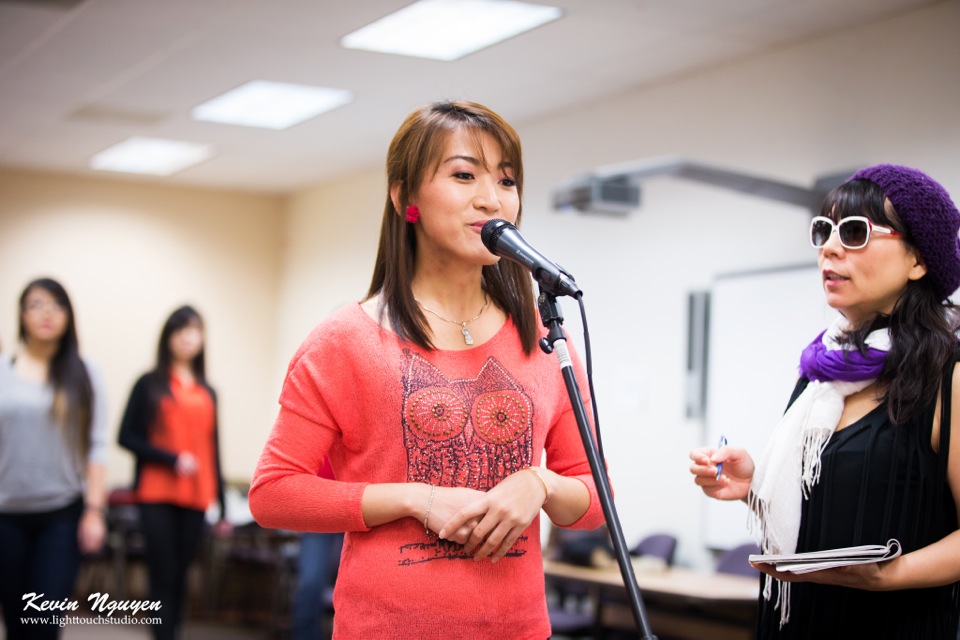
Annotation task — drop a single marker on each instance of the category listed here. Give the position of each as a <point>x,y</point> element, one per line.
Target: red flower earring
<point>413,213</point>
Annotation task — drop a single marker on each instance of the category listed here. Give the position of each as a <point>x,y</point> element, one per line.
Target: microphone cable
<point>588,359</point>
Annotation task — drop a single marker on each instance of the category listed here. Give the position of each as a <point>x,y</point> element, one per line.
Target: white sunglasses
<point>854,231</point>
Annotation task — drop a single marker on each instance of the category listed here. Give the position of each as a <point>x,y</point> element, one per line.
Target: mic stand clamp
<point>552,319</point>
<point>556,342</point>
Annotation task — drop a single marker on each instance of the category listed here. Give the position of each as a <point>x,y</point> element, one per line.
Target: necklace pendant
<point>467,338</point>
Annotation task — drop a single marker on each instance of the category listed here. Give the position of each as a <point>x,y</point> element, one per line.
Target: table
<point>679,602</point>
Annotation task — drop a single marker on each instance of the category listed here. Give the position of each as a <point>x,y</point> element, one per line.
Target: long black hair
<point>922,327</point>
<point>160,375</point>
<point>72,388</point>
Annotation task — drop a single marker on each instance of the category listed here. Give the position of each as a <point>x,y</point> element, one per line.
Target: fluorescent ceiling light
<point>271,105</point>
<point>153,156</point>
<point>449,29</point>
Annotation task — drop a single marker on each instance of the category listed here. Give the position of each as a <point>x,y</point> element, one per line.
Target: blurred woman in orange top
<point>170,425</point>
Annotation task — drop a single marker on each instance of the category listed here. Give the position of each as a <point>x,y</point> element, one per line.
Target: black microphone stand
<point>555,341</point>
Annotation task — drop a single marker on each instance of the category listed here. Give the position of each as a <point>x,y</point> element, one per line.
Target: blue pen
<point>722,443</point>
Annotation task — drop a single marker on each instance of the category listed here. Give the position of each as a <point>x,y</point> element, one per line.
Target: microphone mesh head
<point>491,232</point>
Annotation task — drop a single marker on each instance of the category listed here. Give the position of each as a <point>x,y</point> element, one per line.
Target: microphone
<point>502,239</point>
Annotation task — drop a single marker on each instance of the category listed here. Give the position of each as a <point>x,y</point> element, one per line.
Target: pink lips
<point>833,278</point>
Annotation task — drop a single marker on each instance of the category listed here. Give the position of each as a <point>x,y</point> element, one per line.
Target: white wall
<point>886,93</point>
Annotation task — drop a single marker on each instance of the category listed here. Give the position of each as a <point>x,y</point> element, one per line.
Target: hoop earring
<point>413,213</point>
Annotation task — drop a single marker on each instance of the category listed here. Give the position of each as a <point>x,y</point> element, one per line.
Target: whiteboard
<point>759,322</point>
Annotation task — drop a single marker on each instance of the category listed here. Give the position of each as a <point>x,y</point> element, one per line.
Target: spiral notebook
<point>830,558</point>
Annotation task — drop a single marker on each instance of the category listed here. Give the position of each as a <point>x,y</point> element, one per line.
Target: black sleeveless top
<point>878,481</point>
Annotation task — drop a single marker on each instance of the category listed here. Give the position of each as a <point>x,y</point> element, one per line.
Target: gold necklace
<point>467,338</point>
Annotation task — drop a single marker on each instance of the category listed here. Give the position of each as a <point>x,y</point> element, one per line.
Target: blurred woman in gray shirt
<point>52,452</point>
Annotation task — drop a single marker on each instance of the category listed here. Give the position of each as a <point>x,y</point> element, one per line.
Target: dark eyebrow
<point>469,159</point>
<point>475,161</point>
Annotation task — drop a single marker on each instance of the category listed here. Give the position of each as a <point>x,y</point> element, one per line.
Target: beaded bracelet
<point>536,472</point>
<point>426,516</point>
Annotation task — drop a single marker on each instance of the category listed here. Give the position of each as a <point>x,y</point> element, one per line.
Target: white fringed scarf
<point>790,465</point>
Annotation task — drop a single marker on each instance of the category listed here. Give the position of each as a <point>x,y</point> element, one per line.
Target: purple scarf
<point>822,364</point>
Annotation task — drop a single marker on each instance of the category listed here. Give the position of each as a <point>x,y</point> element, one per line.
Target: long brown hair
<point>414,154</point>
<point>72,388</point>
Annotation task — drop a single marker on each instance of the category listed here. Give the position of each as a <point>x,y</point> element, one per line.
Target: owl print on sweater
<point>462,433</point>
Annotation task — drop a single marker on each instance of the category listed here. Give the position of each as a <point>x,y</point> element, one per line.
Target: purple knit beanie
<point>931,219</point>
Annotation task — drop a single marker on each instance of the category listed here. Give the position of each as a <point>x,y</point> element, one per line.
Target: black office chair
<point>735,560</point>
<point>657,545</point>
<point>570,604</point>
<point>662,546</point>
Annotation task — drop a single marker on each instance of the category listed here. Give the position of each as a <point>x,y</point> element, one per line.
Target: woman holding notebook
<point>864,453</point>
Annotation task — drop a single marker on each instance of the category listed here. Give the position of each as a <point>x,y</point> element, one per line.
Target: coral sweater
<point>183,420</point>
<point>384,410</point>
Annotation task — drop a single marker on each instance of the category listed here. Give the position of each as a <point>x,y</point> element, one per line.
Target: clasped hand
<point>487,524</point>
